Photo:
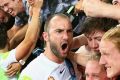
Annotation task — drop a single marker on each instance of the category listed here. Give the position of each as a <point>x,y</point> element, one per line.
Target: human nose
<point>94,45</point>
<point>102,60</point>
<point>65,36</point>
<point>89,78</point>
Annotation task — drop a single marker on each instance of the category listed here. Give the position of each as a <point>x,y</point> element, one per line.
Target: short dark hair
<point>104,24</point>
<point>46,27</point>
<point>3,36</point>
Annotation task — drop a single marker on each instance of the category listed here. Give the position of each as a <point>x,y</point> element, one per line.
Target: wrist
<point>22,62</point>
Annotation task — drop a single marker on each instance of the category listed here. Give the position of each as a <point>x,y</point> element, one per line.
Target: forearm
<point>111,11</point>
<point>97,8</point>
<point>11,32</point>
<point>36,22</point>
<point>19,36</point>
<point>30,51</point>
<point>34,37</point>
<point>79,58</point>
<point>30,37</point>
<point>79,41</point>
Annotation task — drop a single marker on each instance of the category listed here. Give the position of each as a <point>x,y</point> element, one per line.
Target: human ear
<point>45,36</point>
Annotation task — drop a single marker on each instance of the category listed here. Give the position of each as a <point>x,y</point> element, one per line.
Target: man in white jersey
<point>51,64</point>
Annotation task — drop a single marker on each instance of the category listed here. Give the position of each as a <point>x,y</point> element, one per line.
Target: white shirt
<point>42,68</point>
<point>5,60</point>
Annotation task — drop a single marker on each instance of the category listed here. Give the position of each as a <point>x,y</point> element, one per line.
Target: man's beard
<point>55,51</point>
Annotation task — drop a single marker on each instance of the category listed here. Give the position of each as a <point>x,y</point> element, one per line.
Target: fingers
<point>9,66</point>
<point>13,69</point>
<point>35,3</point>
<point>30,2</point>
<point>35,6</point>
<point>11,72</point>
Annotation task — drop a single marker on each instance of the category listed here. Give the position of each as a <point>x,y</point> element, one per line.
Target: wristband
<point>22,62</point>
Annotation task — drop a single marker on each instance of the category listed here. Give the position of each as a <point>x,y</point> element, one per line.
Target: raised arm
<point>32,32</point>
<point>27,45</point>
<point>79,58</point>
<point>18,37</point>
<point>98,8</point>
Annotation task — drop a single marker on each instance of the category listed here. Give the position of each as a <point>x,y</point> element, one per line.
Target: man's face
<point>10,6</point>
<point>94,39</point>
<point>60,36</point>
<point>94,71</point>
<point>110,58</point>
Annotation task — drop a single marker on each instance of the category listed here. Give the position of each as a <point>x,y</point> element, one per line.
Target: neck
<point>48,53</point>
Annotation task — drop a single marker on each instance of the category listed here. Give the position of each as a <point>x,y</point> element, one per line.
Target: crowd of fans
<point>59,39</point>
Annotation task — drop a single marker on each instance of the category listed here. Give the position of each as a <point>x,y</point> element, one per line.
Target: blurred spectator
<point>110,52</point>
<point>22,51</point>
<point>93,30</point>
<point>95,71</point>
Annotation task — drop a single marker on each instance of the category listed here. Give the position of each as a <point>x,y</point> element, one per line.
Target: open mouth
<point>64,46</point>
<point>10,11</point>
